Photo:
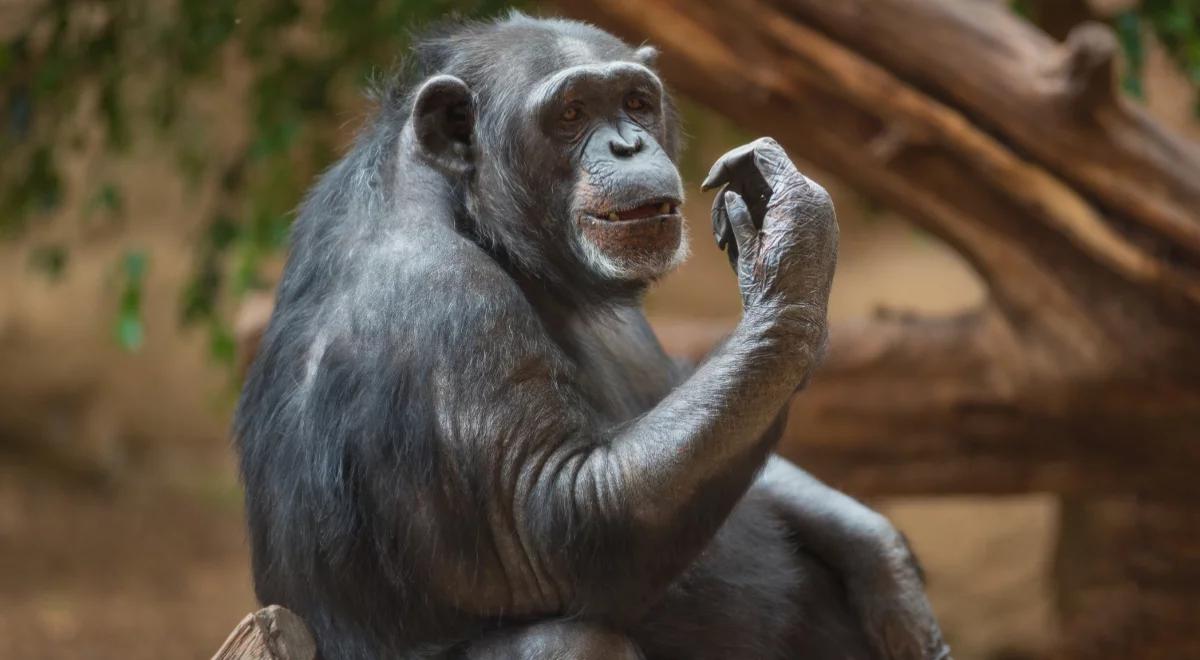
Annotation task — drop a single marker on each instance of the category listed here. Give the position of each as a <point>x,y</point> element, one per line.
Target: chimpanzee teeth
<point>614,217</point>
<point>665,208</point>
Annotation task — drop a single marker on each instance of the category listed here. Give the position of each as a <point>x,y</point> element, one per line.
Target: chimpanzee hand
<point>780,231</point>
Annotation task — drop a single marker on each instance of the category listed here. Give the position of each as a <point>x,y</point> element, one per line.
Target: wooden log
<point>272,633</point>
<point>1127,570</point>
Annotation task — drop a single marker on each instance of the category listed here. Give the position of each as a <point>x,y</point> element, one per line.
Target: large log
<point>1080,213</point>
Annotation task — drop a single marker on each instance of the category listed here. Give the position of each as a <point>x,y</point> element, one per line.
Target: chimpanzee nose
<point>624,148</point>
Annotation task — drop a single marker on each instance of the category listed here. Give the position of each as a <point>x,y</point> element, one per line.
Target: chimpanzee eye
<point>635,104</point>
<point>570,114</point>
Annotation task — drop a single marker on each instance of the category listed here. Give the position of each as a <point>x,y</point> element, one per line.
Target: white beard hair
<point>632,269</point>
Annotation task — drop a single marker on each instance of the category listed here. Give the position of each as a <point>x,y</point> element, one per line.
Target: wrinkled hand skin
<point>780,232</point>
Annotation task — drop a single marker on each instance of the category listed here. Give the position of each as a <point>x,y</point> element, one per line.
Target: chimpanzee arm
<point>872,560</point>
<point>588,517</point>
<point>711,432</point>
<point>654,491</point>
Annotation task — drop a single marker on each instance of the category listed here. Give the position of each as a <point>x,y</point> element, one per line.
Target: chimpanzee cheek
<point>588,195</point>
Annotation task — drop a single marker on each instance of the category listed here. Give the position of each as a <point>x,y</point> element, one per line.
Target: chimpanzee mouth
<point>647,233</point>
<point>654,209</point>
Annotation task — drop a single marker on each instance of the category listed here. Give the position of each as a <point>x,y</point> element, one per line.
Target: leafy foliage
<point>129,330</point>
<point>1174,23</point>
<point>136,66</point>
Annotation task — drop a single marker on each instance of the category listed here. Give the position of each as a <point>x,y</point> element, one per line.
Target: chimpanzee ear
<point>443,120</point>
<point>647,55</point>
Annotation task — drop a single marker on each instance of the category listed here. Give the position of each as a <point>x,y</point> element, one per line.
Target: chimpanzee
<point>461,439</point>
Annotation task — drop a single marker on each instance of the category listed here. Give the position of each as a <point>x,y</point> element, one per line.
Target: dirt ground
<point>130,573</point>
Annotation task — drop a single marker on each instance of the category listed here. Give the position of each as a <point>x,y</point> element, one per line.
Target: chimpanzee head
<point>561,142</point>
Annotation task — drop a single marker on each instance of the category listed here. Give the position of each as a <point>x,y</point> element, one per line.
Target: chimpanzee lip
<point>646,210</point>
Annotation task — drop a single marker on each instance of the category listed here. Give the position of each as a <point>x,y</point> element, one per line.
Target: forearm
<point>713,430</point>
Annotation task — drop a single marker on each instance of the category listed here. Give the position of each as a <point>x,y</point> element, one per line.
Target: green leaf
<point>221,343</point>
<point>135,266</point>
<point>1021,8</point>
<point>129,331</point>
<point>1129,33</point>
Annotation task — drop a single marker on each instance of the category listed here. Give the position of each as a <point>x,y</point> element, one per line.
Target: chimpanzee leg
<point>554,640</point>
<point>877,574</point>
<point>827,627</point>
<point>756,593</point>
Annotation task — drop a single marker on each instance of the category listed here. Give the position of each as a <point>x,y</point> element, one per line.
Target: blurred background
<point>1014,374</point>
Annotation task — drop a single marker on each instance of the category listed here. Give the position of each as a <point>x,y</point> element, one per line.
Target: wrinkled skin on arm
<point>789,219</point>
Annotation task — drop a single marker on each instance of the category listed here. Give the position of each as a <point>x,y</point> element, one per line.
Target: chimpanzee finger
<point>720,226</point>
<point>722,231</point>
<point>740,220</point>
<point>739,170</point>
<point>723,170</point>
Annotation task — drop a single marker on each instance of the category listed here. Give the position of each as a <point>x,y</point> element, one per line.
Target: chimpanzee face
<point>607,123</point>
<point>564,149</point>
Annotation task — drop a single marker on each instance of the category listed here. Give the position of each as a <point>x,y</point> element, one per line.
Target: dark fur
<point>430,343</point>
